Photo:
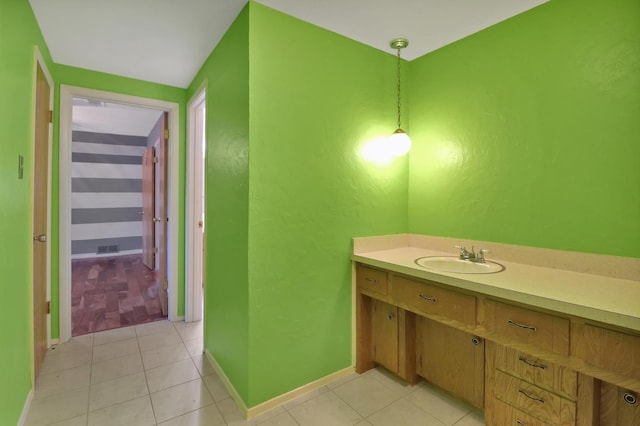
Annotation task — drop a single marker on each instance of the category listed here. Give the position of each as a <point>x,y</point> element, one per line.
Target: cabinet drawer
<point>608,349</point>
<point>545,331</point>
<point>371,279</point>
<point>424,298</point>
<point>534,400</point>
<point>544,374</point>
<point>505,415</point>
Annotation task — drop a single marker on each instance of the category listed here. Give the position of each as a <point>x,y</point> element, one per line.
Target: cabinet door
<point>384,334</point>
<point>618,406</point>
<point>451,359</point>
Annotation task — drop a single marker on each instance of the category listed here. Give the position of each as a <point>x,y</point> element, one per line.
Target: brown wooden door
<point>40,209</point>
<point>384,334</point>
<point>451,359</point>
<point>161,147</point>
<point>148,208</point>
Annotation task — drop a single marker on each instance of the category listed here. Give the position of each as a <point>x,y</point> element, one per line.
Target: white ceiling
<point>167,41</point>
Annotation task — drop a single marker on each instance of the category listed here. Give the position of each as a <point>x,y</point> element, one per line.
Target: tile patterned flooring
<point>112,292</point>
<point>155,374</point>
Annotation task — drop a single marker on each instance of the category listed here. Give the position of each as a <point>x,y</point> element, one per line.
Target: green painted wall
<point>226,73</point>
<point>527,132</point>
<point>286,190</point>
<point>19,33</point>
<point>316,99</point>
<point>79,77</point>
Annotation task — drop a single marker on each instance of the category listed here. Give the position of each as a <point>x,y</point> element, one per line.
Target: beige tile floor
<point>155,374</point>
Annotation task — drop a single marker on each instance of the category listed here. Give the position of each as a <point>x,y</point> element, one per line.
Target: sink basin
<point>456,265</point>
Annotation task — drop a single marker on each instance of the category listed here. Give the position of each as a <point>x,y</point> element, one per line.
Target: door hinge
<point>155,159</point>
<point>155,250</point>
<point>166,284</point>
<point>49,307</point>
<point>166,134</point>
<point>50,116</point>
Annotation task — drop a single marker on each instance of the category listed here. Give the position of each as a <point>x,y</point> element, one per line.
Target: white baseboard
<point>250,412</point>
<point>25,410</point>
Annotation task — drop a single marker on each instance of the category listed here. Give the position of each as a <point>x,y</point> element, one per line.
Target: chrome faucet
<point>472,256</point>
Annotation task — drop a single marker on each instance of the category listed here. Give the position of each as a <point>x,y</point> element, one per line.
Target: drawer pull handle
<point>371,280</point>
<point>428,299</point>
<point>531,364</point>
<point>630,398</point>
<point>535,398</point>
<point>528,327</point>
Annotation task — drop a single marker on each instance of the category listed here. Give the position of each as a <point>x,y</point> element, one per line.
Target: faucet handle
<point>481,254</point>
<point>464,254</point>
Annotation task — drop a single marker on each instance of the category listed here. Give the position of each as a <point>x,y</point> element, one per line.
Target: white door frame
<point>194,207</point>
<point>39,60</point>
<point>67,93</point>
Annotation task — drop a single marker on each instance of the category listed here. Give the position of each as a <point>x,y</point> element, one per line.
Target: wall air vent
<point>115,248</point>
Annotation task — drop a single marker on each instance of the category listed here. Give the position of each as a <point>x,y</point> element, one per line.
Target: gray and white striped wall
<point>106,197</point>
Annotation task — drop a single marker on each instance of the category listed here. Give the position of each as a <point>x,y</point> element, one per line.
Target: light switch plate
<point>20,166</point>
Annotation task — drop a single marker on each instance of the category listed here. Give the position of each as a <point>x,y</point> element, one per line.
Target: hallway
<point>155,374</point>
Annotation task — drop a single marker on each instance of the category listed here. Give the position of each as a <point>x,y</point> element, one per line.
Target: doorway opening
<point>196,148</point>
<point>118,191</point>
<point>118,212</point>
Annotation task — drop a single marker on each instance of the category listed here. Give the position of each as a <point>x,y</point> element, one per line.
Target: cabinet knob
<point>389,316</point>
<point>630,398</point>
<point>475,340</point>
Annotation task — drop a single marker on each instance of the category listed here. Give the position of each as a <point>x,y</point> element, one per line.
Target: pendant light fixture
<point>399,141</point>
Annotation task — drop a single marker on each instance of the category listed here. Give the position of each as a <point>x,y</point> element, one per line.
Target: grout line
<point>90,377</point>
<point>146,379</point>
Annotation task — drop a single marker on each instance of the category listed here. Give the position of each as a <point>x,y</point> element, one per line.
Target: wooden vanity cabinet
<point>524,365</point>
<point>451,359</point>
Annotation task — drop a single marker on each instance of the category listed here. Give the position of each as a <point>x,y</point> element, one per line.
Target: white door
<point>195,208</point>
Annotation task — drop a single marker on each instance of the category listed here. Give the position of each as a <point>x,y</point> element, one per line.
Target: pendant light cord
<point>399,126</point>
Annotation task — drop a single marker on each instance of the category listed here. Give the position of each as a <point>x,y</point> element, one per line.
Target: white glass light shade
<point>400,143</point>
